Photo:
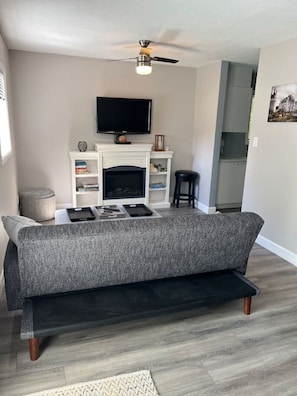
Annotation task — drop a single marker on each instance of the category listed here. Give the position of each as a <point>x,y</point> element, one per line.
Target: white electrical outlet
<point>255,141</point>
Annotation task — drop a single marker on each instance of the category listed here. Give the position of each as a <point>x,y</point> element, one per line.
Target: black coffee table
<point>56,314</point>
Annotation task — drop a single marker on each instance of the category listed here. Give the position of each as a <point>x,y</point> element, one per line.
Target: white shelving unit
<point>159,196</point>
<point>82,197</point>
<point>95,160</point>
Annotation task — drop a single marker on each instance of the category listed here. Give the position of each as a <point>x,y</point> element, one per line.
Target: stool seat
<point>185,176</point>
<point>38,204</point>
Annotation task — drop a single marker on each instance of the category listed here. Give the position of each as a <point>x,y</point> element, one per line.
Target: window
<point>5,140</point>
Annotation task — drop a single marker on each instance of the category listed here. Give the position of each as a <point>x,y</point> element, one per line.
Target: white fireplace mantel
<point>133,147</point>
<point>111,155</point>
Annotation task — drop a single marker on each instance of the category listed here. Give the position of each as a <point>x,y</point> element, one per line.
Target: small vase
<point>159,142</point>
<point>82,146</point>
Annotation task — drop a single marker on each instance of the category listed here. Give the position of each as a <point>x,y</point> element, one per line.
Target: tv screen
<point>123,115</point>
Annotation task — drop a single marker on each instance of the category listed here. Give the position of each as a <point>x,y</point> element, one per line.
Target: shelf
<point>158,173</point>
<point>86,192</point>
<point>86,175</point>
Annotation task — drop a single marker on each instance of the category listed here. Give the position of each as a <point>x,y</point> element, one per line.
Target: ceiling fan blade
<point>167,60</point>
<point>118,60</point>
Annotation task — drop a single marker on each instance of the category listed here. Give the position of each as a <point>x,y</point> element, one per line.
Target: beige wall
<point>270,184</point>
<point>8,179</point>
<point>55,103</point>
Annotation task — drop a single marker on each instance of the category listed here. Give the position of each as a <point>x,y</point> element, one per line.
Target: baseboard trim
<point>277,249</point>
<point>206,209</point>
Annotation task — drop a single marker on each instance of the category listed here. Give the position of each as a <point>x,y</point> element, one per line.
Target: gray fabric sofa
<point>49,259</point>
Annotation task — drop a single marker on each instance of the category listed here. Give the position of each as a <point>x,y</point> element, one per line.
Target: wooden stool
<point>185,176</point>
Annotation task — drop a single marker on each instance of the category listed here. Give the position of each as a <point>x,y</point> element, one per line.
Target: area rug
<point>139,383</point>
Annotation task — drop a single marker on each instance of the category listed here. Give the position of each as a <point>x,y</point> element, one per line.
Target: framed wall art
<point>283,103</point>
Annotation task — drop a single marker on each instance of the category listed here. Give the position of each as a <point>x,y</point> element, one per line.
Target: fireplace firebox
<point>123,182</point>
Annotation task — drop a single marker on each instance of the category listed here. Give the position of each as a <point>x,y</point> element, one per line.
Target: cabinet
<point>85,180</point>
<point>240,75</point>
<point>237,109</point>
<point>230,183</point>
<point>159,180</point>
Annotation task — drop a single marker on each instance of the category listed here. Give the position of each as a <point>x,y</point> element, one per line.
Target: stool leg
<point>175,192</point>
<point>189,193</point>
<point>178,192</point>
<point>193,195</point>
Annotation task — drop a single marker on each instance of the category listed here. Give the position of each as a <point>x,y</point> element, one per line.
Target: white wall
<point>8,179</point>
<point>205,155</point>
<point>270,184</point>
<point>55,107</point>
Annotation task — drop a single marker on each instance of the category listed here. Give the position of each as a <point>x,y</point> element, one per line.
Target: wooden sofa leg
<point>247,305</point>
<point>34,348</point>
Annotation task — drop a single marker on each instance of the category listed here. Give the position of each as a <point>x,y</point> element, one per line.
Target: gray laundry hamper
<point>38,203</point>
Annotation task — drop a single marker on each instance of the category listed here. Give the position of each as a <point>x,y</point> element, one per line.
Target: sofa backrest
<point>68,257</point>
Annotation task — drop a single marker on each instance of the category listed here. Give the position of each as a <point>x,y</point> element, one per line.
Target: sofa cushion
<point>13,224</point>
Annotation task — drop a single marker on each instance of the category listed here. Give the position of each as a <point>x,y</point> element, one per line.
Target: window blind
<point>5,140</point>
<point>2,86</point>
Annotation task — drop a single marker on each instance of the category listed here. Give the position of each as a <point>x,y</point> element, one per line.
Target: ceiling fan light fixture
<point>143,66</point>
<point>143,70</point>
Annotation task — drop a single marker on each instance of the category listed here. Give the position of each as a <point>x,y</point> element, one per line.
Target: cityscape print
<point>283,103</point>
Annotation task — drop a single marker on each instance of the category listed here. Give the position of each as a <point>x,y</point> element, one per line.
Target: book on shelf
<point>81,167</point>
<point>80,163</point>
<point>155,186</point>
<point>88,187</point>
<point>83,189</point>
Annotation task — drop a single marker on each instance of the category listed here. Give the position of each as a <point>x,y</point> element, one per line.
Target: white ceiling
<point>197,32</point>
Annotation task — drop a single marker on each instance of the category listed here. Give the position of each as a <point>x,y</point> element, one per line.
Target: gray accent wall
<point>209,105</point>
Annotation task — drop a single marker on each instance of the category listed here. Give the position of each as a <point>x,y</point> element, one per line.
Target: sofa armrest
<point>12,278</point>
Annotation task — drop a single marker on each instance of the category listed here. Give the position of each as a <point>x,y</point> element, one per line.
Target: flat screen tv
<point>123,115</point>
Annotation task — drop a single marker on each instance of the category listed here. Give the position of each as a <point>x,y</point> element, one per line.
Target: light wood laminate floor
<point>206,351</point>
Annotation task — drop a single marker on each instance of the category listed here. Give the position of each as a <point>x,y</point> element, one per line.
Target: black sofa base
<point>50,315</point>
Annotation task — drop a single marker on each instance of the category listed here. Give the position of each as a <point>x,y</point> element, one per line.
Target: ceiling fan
<point>144,58</point>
